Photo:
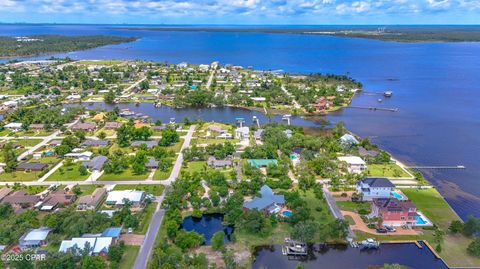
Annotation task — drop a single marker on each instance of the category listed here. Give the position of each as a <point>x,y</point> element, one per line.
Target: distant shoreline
<point>390,33</point>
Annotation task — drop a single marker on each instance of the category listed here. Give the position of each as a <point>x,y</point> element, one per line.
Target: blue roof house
<point>268,202</point>
<point>113,232</point>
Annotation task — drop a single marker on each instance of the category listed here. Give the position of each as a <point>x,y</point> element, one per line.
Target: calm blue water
<point>207,226</point>
<point>436,87</point>
<point>338,256</point>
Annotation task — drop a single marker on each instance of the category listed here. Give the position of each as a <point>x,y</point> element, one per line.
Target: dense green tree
<point>93,262</point>
<point>169,137</point>
<point>217,240</point>
<point>304,231</point>
<point>474,247</point>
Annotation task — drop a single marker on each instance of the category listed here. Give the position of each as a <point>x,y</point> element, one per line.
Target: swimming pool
<point>419,220</point>
<point>294,157</point>
<point>287,214</point>
<point>397,195</point>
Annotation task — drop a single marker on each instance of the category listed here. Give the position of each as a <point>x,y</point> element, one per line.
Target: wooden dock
<point>374,108</point>
<point>404,242</point>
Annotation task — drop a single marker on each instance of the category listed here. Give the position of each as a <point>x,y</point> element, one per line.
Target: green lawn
<point>125,175</point>
<point>26,142</point>
<point>161,175</point>
<point>353,206</point>
<point>176,147</point>
<point>89,189</point>
<point>68,173</point>
<point>146,216</point>
<point>155,189</point>
<point>196,166</point>
<point>319,209</point>
<point>20,176</point>
<point>211,141</point>
<point>129,257</point>
<point>386,170</point>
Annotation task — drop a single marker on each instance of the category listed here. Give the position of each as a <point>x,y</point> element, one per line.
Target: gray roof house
<point>148,143</point>
<point>31,166</point>
<point>96,163</point>
<point>212,161</point>
<point>95,143</point>
<point>375,187</point>
<point>267,203</point>
<point>152,163</point>
<point>257,135</point>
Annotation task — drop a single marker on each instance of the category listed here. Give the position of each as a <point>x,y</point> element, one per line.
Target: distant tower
<point>287,118</point>
<point>256,121</point>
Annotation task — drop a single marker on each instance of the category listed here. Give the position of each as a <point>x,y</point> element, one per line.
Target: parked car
<point>390,229</point>
<point>382,230</point>
<point>130,230</point>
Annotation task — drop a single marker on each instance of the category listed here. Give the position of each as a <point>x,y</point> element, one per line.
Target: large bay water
<point>436,87</point>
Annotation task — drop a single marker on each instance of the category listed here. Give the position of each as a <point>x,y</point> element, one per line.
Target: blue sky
<point>242,11</point>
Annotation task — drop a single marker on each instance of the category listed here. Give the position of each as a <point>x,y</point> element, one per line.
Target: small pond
<point>207,225</point>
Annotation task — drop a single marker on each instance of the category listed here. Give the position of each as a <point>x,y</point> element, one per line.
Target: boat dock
<point>374,108</point>
<point>404,242</point>
<point>294,248</point>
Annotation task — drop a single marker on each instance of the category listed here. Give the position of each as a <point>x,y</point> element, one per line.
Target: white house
<point>14,126</point>
<point>80,156</point>
<point>348,140</point>
<point>242,133</point>
<point>372,187</point>
<point>119,198</point>
<point>96,245</point>
<point>259,99</point>
<point>355,164</point>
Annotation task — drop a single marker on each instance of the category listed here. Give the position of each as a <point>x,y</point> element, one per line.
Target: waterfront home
<point>258,99</point>
<point>31,166</point>
<point>159,127</point>
<point>213,162</point>
<point>354,164</point>
<point>4,192</point>
<point>118,198</point>
<point>99,117</point>
<point>92,201</point>
<point>20,200</point>
<point>96,164</point>
<point>84,126</point>
<point>268,202</point>
<point>242,133</point>
<point>363,152</point>
<point>80,156</point>
<point>322,103</point>
<point>14,126</point>
<point>394,212</point>
<point>375,187</point>
<point>113,125</point>
<point>225,136</point>
<point>95,143</point>
<point>34,238</point>
<point>152,163</point>
<point>148,143</point>
<point>36,126</point>
<point>58,198</point>
<point>348,140</point>
<point>259,163</point>
<point>216,129</point>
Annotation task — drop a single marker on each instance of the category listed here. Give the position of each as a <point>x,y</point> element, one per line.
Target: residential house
<point>84,126</point>
<point>242,133</point>
<point>268,202</point>
<point>363,152</point>
<point>96,164</point>
<point>216,129</point>
<point>4,192</point>
<point>80,156</point>
<point>31,166</point>
<point>159,127</point>
<point>92,201</point>
<point>14,126</point>
<point>113,232</point>
<point>213,162</point>
<point>58,198</point>
<point>148,143</point>
<point>375,187</point>
<point>113,125</point>
<point>21,200</point>
<point>118,198</point>
<point>152,163</point>
<point>257,135</point>
<point>394,212</point>
<point>55,142</point>
<point>95,143</point>
<point>95,245</point>
<point>37,126</point>
<point>355,164</point>
<point>322,103</point>
<point>34,238</point>
<point>348,140</point>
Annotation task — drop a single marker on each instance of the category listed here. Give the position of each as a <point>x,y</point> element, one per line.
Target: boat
<point>369,243</point>
<point>126,112</point>
<point>137,103</point>
<point>379,100</point>
<point>388,93</point>
<point>292,247</point>
<point>157,104</point>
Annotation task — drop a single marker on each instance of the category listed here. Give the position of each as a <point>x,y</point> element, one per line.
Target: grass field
<point>68,173</point>
<point>196,166</point>
<point>353,206</point>
<point>128,258</point>
<point>26,142</point>
<point>19,176</point>
<point>386,170</point>
<point>89,189</point>
<point>176,147</point>
<point>125,175</point>
<point>161,175</point>
<point>146,216</point>
<point>150,188</point>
